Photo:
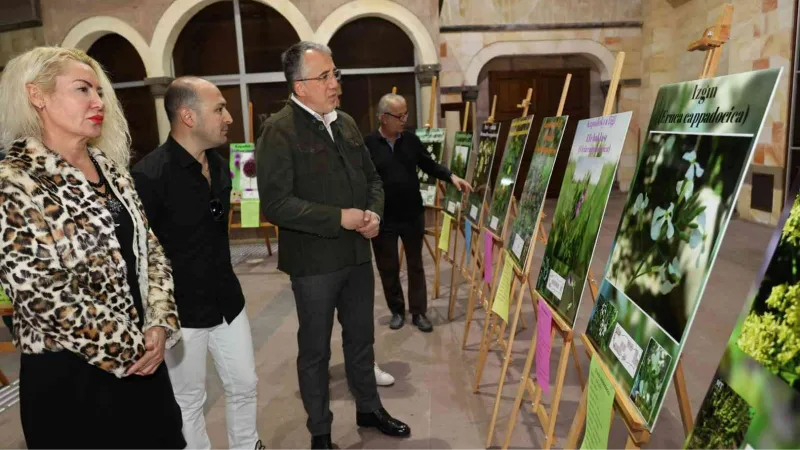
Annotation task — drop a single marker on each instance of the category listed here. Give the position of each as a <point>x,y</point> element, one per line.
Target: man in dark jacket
<point>317,183</point>
<point>397,154</point>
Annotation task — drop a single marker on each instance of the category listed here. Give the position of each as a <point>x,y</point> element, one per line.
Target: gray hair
<point>292,60</point>
<point>386,101</point>
<point>180,93</point>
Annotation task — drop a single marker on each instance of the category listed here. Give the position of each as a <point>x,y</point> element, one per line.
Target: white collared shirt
<point>327,119</point>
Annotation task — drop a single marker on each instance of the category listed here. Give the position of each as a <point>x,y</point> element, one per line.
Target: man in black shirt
<point>185,188</point>
<point>397,154</point>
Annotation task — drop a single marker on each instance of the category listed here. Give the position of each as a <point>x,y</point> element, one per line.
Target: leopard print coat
<point>61,265</point>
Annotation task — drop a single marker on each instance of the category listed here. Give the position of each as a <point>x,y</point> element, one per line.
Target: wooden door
<point>512,86</point>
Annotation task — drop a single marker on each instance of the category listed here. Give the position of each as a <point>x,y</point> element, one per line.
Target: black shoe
<point>259,445</point>
<point>397,322</point>
<point>321,441</point>
<point>385,423</point>
<point>422,323</point>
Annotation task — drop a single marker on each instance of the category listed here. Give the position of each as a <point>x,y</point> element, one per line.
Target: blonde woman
<point>91,288</point>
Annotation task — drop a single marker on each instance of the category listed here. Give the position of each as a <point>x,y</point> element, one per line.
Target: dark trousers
<point>387,259</point>
<point>351,291</point>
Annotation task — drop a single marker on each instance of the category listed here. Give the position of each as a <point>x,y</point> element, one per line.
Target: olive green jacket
<point>305,179</point>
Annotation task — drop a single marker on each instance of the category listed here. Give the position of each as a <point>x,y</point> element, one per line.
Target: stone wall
<point>495,12</point>
<point>761,37</point>
<point>15,42</point>
<point>465,56</point>
<point>61,16</point>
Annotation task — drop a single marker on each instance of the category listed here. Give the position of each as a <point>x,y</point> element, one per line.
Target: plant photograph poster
<point>481,188</point>
<point>579,212</point>
<point>754,400</point>
<point>507,175</point>
<point>433,140</point>
<point>695,156</point>
<point>243,169</point>
<point>532,200</point>
<point>458,165</point>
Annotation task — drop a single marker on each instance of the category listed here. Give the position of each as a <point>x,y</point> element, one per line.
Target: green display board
<point>507,175</point>
<point>696,152</point>
<point>481,188</point>
<point>433,140</point>
<point>532,200</point>
<point>579,212</point>
<point>458,165</point>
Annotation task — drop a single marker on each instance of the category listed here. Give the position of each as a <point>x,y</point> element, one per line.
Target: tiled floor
<point>434,376</point>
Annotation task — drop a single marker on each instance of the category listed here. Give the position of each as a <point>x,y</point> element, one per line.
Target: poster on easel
<point>507,175</point>
<point>695,156</point>
<point>243,170</point>
<point>532,200</point>
<point>458,165</point>
<point>754,398</point>
<point>579,212</point>
<point>481,190</point>
<point>433,140</point>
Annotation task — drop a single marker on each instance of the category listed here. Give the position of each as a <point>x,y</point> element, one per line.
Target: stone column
<point>158,86</point>
<point>425,74</point>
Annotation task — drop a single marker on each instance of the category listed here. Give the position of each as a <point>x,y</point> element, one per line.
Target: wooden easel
<point>236,207</point>
<point>456,224</point>
<point>490,331</point>
<point>638,434</point>
<point>476,261</point>
<point>564,330</point>
<point>521,277</point>
<point>478,286</point>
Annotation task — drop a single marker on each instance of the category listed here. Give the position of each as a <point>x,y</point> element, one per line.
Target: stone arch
<point>181,11</point>
<point>88,31</point>
<point>385,9</point>
<point>593,50</point>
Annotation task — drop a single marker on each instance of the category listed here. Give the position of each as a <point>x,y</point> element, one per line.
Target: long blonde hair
<point>40,66</point>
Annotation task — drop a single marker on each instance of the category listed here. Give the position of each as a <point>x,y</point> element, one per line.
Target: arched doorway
<point>509,77</point>
<point>237,45</point>
<point>124,66</point>
<point>374,56</point>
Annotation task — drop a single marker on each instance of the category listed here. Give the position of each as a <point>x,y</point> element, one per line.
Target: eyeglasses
<point>401,117</point>
<point>217,211</point>
<point>325,77</point>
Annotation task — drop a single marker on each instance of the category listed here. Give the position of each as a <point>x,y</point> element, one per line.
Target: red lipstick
<point>98,119</point>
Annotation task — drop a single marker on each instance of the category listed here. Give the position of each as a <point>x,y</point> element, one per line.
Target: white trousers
<point>231,347</point>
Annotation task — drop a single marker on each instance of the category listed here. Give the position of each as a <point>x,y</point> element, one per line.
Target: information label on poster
<point>699,144</point>
<point>625,349</point>
<point>582,201</point>
<point>509,169</point>
<point>555,284</point>
<point>516,247</point>
<point>433,140</point>
<point>452,207</point>
<point>481,186</point>
<point>538,179</point>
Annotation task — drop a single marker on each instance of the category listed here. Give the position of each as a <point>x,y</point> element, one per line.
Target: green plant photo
<point>507,176</point>
<point>481,185</point>
<point>532,200</point>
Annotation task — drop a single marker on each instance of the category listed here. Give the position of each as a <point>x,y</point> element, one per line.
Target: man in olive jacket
<point>316,181</point>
